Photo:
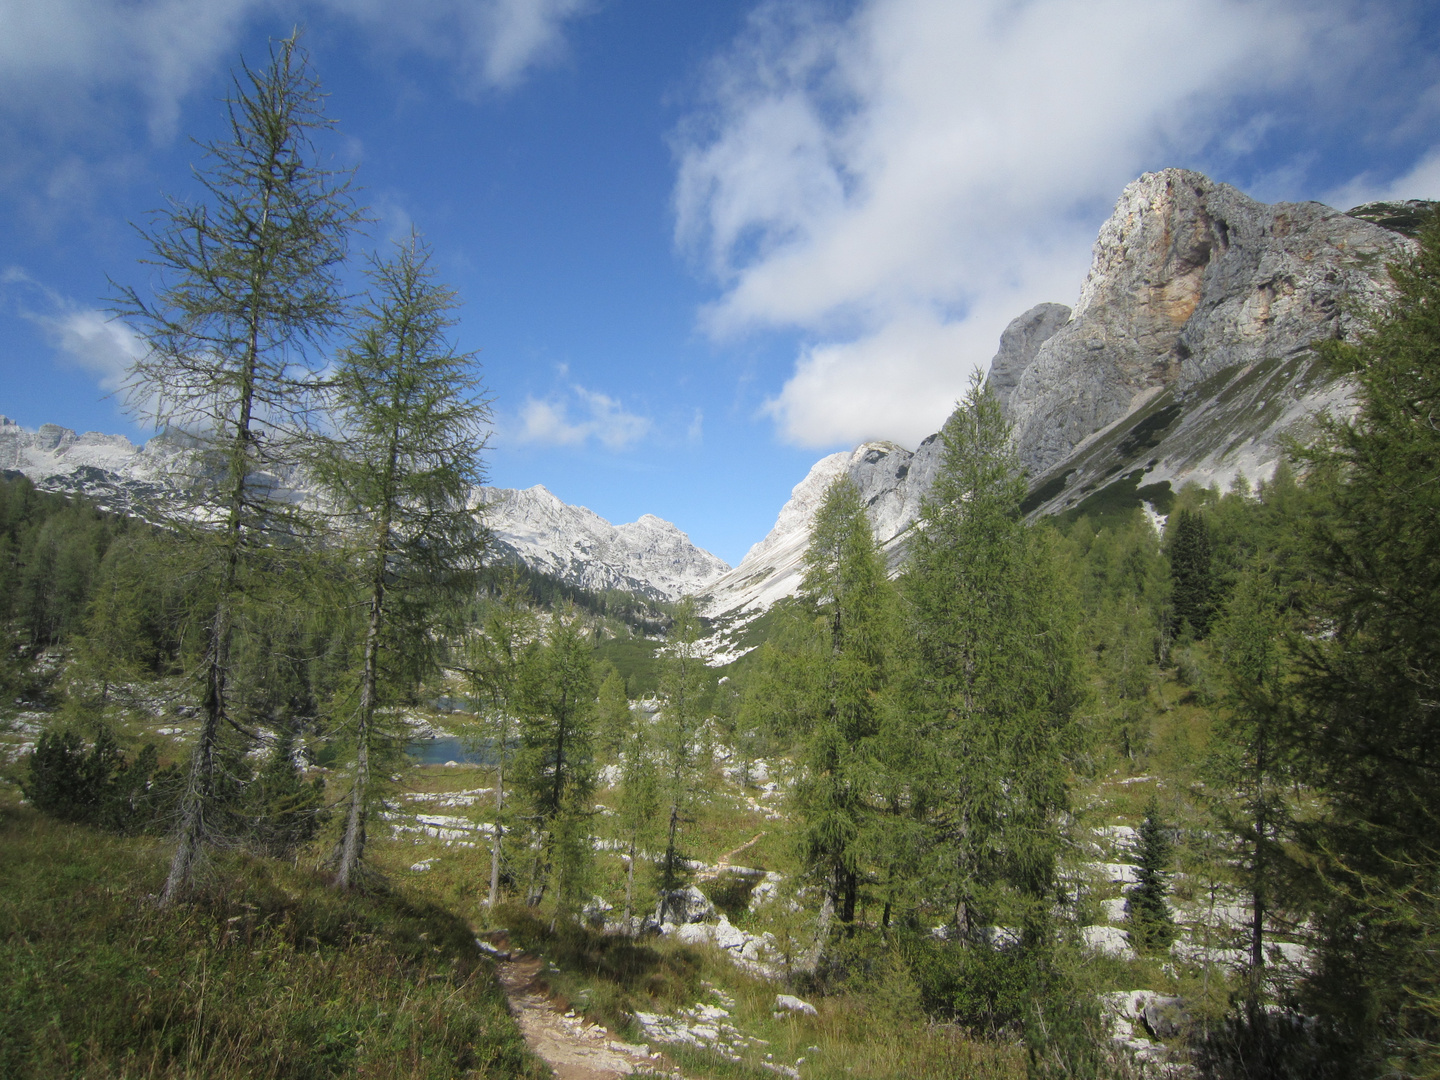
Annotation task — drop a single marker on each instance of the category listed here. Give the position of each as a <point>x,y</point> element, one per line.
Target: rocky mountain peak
<point>1190,277</point>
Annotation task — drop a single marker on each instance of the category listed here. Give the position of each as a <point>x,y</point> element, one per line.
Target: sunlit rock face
<point>1190,278</point>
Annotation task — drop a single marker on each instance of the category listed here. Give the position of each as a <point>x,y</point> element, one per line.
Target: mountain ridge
<point>650,557</point>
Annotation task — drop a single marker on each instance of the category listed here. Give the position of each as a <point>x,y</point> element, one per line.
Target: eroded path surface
<point>574,1048</point>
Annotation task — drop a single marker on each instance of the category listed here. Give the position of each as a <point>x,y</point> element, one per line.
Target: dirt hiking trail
<point>574,1048</point>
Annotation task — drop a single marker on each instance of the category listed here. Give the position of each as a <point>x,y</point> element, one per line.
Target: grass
<point>267,973</point>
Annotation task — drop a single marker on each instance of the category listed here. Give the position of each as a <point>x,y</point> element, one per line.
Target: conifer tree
<point>497,656</point>
<point>555,767</point>
<point>1250,756</point>
<point>1191,572</point>
<point>613,720</point>
<point>997,676</point>
<point>638,800</point>
<point>248,290</point>
<point>1369,680</point>
<point>1152,926</point>
<point>855,620</point>
<point>402,470</point>
<point>680,741</point>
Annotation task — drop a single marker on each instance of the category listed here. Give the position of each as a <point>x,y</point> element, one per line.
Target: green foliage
<point>248,290</point>
<point>401,469</point>
<point>681,743</point>
<point>267,973</point>
<point>285,810</point>
<point>1192,591</point>
<point>1368,682</point>
<point>1152,926</point>
<point>99,787</point>
<point>613,721</point>
<point>853,661</point>
<point>998,678</point>
<point>554,768</point>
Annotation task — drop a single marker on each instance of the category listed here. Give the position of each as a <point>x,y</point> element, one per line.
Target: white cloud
<point>70,66</point>
<point>492,43</point>
<point>900,182</point>
<point>548,422</point>
<point>92,340</point>
<point>1422,181</point>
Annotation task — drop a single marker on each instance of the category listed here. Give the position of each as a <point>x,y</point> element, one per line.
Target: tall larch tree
<point>403,470</point>
<point>680,737</point>
<point>855,611</point>
<point>248,292</point>
<point>496,662</point>
<point>1369,682</point>
<point>998,677</point>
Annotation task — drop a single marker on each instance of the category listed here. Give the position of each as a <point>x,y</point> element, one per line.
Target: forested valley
<point>1146,791</point>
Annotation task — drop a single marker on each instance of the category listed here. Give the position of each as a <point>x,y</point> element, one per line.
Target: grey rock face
<point>650,556</point>
<point>1193,328</point>
<point>1190,278</point>
<point>1020,343</point>
<point>891,481</point>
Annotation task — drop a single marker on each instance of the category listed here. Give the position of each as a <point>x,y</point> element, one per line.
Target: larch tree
<point>555,767</point>
<point>1368,682</point>
<point>1192,572</point>
<point>998,678</point>
<point>855,618</point>
<point>497,655</point>
<point>406,459</point>
<point>680,737</point>
<point>1251,757</point>
<point>248,290</point>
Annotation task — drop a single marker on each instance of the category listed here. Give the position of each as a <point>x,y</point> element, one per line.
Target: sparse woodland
<point>909,803</point>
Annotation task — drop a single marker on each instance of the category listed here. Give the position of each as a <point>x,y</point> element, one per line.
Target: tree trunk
<point>499,831</point>
<point>352,847</point>
<point>630,887</point>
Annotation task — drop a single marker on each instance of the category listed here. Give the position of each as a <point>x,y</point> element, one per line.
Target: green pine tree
<point>1369,681</point>
<point>555,765</point>
<point>855,619</point>
<point>1152,926</point>
<point>680,737</point>
<point>1191,572</point>
<point>248,289</point>
<point>402,469</point>
<point>998,679</point>
<point>496,662</point>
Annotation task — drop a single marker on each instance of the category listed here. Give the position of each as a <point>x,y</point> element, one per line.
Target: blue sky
<point>699,244</point>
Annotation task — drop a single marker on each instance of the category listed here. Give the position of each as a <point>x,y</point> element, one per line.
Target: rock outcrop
<point>1191,278</point>
<point>891,481</point>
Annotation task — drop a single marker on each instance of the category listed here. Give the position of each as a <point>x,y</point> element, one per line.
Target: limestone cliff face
<point>891,481</point>
<point>1189,278</point>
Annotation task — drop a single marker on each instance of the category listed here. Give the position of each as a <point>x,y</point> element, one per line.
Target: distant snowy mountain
<point>650,557</point>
